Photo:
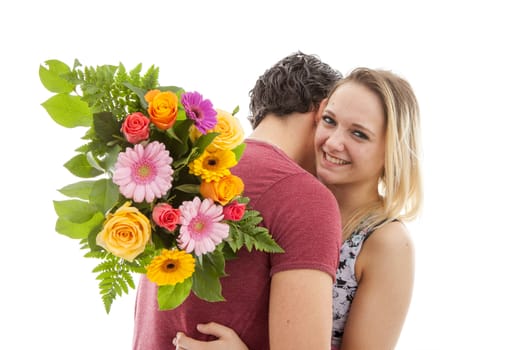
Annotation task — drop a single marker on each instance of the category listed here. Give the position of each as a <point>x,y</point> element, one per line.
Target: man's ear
<point>320,110</point>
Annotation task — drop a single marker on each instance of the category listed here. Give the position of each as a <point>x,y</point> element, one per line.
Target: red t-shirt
<point>302,216</point>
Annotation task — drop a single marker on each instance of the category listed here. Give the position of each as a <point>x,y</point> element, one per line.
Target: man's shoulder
<point>262,162</point>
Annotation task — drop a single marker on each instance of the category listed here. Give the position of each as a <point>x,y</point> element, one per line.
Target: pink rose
<point>164,215</point>
<point>136,127</point>
<point>234,211</point>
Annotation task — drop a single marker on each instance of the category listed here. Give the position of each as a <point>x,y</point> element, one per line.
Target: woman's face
<point>350,137</point>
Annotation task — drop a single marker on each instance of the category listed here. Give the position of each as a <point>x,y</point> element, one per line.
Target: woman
<point>367,150</point>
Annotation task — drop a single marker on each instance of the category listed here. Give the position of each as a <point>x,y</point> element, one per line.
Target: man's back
<point>302,217</point>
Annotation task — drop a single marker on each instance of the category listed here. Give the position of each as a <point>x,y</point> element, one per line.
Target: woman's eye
<point>328,120</point>
<point>361,135</point>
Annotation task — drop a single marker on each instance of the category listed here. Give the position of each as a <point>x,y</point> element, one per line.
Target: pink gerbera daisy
<point>201,229</point>
<point>200,111</point>
<point>144,172</point>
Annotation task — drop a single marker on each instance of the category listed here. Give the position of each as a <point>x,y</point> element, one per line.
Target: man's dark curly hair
<point>297,83</point>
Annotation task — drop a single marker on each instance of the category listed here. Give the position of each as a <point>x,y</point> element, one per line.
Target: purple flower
<point>200,111</point>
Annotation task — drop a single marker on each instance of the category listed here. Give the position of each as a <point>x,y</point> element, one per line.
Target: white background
<point>463,58</point>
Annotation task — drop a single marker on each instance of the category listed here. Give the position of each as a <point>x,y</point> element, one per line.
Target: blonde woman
<point>368,154</point>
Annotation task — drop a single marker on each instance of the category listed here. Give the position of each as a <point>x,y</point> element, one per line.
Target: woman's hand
<point>227,339</point>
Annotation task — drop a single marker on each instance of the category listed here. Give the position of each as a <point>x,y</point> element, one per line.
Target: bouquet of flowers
<point>156,194</point>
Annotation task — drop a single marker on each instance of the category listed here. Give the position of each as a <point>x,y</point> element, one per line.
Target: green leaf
<point>106,126</point>
<point>74,210</point>
<point>175,89</point>
<point>68,111</point>
<point>228,252</point>
<point>108,299</point>
<point>105,195</point>
<point>92,238</point>
<point>81,189</point>
<point>78,231</point>
<point>182,162</point>
<point>126,276</point>
<point>52,79</point>
<point>99,254</point>
<point>239,150</point>
<point>123,285</point>
<point>205,140</point>
<point>265,242</point>
<point>246,200</point>
<point>93,161</point>
<point>171,296</point>
<point>150,79</point>
<point>249,234</point>
<point>106,274</point>
<point>111,157</point>
<point>114,276</point>
<point>214,261</point>
<point>79,166</point>
<point>235,238</point>
<point>179,131</point>
<point>103,266</point>
<point>139,92</point>
<point>206,278</point>
<point>189,188</point>
<point>181,115</point>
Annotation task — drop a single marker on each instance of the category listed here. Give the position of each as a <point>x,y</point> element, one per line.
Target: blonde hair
<point>400,186</point>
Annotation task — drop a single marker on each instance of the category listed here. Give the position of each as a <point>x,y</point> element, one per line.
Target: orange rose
<point>223,190</point>
<point>162,108</point>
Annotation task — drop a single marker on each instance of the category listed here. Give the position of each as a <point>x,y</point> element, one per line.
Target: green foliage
<point>69,111</point>
<point>115,276</point>
<point>80,166</point>
<point>104,195</point>
<point>106,127</point>
<point>238,151</point>
<point>98,99</point>
<point>208,270</point>
<point>75,210</point>
<point>78,230</point>
<point>81,189</point>
<point>171,296</point>
<point>248,233</point>
<point>52,78</point>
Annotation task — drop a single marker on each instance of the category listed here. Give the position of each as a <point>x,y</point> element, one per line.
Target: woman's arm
<point>300,305</point>
<point>227,339</point>
<point>385,271</point>
<point>300,315</point>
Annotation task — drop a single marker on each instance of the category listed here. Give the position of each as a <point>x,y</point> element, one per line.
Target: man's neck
<point>291,134</point>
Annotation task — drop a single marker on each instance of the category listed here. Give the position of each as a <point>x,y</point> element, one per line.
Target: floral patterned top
<point>345,285</point>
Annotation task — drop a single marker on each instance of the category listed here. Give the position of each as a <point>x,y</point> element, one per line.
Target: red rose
<point>136,127</point>
<point>234,211</point>
<point>164,215</point>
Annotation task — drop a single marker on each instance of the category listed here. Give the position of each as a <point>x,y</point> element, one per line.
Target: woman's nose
<point>335,142</point>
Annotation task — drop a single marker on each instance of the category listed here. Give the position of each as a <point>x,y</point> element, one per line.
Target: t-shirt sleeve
<point>303,217</point>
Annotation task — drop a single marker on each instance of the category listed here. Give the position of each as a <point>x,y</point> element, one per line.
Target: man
<point>273,301</point>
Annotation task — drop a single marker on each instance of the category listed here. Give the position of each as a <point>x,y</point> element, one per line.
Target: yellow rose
<point>125,233</point>
<point>229,128</point>
<point>162,108</point>
<point>223,190</point>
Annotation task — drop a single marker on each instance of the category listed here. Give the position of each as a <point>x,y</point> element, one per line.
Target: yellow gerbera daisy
<point>213,165</point>
<point>170,267</point>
